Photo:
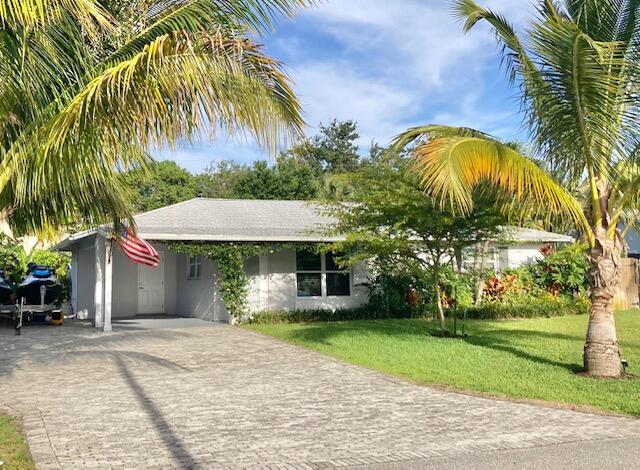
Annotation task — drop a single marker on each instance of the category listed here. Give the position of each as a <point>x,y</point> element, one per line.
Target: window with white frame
<point>318,275</point>
<point>194,267</point>
<point>491,261</point>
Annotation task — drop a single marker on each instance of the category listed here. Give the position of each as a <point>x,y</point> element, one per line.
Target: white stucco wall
<point>273,287</point>
<point>521,254</point>
<point>198,297</point>
<point>124,282</point>
<point>85,278</point>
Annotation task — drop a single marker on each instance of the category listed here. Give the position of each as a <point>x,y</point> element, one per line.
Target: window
<point>309,274</point>
<point>319,275</point>
<point>338,280</point>
<point>194,267</point>
<point>490,258</point>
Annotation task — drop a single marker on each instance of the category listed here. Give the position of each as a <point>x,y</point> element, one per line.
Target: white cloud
<point>337,90</point>
<point>412,40</point>
<point>388,65</point>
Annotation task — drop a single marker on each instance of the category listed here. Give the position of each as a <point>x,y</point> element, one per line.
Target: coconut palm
<point>576,69</point>
<point>88,88</point>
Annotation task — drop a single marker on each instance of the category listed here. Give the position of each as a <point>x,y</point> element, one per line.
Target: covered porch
<point>108,288</point>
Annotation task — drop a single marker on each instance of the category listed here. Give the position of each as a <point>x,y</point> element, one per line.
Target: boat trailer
<point>19,312</point>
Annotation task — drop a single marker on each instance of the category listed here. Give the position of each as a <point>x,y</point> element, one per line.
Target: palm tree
<point>88,88</point>
<point>576,69</point>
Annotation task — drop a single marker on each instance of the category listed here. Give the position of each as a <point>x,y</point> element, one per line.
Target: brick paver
<point>222,397</point>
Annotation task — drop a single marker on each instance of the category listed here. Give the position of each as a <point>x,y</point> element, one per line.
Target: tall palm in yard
<point>88,88</point>
<point>576,68</point>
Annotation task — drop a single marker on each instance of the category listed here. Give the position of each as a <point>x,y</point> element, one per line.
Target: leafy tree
<point>163,184</point>
<point>576,71</point>
<point>288,179</point>
<point>333,149</point>
<point>393,225</point>
<point>88,87</point>
<point>221,179</point>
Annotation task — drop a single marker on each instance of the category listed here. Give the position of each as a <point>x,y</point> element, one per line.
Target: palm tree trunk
<point>601,351</point>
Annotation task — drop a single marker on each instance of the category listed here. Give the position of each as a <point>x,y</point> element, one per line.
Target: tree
<point>333,149</point>
<point>88,87</point>
<point>164,183</point>
<point>287,179</point>
<point>576,72</point>
<point>390,222</point>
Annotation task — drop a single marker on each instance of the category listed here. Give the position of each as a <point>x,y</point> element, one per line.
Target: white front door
<point>151,288</point>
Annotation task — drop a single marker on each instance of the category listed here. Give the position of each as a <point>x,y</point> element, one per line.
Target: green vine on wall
<point>231,258</point>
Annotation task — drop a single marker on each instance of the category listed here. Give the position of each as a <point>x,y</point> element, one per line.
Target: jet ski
<point>40,286</point>
<point>6,290</point>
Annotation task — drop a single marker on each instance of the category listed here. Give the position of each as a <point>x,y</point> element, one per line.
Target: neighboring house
<point>107,285</point>
<point>633,244</point>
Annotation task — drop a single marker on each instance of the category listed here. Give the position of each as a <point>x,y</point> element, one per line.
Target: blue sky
<point>388,65</point>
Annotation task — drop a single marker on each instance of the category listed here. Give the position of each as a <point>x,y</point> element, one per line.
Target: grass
<point>14,451</point>
<point>523,359</point>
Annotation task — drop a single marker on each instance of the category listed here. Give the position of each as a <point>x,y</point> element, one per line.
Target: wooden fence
<point>628,292</point>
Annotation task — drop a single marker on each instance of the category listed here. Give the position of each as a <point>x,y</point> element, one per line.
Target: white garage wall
<point>198,297</point>
<point>125,283</point>
<point>86,278</point>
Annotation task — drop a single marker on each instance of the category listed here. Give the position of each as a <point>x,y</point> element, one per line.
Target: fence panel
<point>628,291</point>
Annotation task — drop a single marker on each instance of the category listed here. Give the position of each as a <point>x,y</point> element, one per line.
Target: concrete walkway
<point>214,396</point>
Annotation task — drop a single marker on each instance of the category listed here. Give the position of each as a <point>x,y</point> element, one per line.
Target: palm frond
<point>452,167</point>
<point>176,88</point>
<point>36,14</point>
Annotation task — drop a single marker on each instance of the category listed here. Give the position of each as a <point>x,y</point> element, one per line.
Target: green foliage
<point>89,88</point>
<point>458,288</point>
<point>388,295</point>
<point>304,172</point>
<point>162,184</point>
<point>13,259</point>
<point>287,179</point>
<point>333,149</point>
<point>392,224</point>
<point>14,450</point>
<point>565,270</point>
<point>529,306</point>
<point>231,258</point>
<point>59,264</point>
<point>318,315</point>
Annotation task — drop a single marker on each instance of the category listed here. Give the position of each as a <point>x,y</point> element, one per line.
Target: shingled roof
<point>245,220</point>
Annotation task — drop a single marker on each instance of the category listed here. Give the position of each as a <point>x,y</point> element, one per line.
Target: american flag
<point>137,249</point>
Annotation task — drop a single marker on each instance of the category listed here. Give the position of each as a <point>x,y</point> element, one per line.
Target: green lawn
<point>14,451</point>
<point>532,359</point>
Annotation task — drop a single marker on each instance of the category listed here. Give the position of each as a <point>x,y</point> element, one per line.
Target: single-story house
<point>106,284</point>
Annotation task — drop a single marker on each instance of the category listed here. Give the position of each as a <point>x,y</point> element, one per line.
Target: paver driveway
<point>218,396</point>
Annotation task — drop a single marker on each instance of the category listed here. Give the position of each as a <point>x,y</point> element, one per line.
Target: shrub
<point>312,316</point>
<point>13,259</point>
<point>458,289</point>
<point>563,271</point>
<point>59,264</point>
<point>397,296</point>
<point>530,306</point>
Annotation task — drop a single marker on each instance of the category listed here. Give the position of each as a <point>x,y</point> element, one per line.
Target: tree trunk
<point>440,310</point>
<point>481,252</point>
<point>601,351</point>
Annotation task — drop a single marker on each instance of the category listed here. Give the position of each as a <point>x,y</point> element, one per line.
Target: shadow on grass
<point>501,340</point>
